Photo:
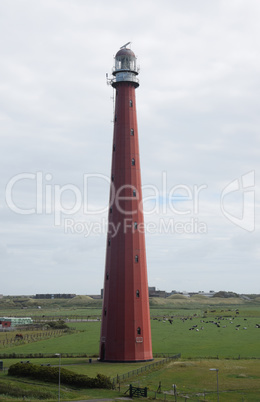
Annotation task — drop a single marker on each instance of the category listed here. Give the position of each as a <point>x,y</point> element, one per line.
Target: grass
<point>81,342</point>
<point>238,380</point>
<point>82,365</point>
<point>224,341</point>
<point>55,312</point>
<point>35,390</point>
<point>20,389</point>
<point>236,353</point>
<point>26,302</point>
<point>29,336</point>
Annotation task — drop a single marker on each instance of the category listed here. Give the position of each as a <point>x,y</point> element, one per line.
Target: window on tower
<point>133,161</point>
<point>137,293</point>
<point>138,331</point>
<point>113,177</point>
<point>136,258</point>
<point>109,242</point>
<point>132,131</point>
<point>131,103</point>
<point>110,210</point>
<point>114,147</point>
<point>135,225</point>
<point>134,193</point>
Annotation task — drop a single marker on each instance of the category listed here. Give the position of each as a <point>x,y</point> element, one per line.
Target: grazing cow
<point>19,337</point>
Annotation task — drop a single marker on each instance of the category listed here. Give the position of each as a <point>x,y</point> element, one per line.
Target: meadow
<point>218,335</point>
<point>222,334</point>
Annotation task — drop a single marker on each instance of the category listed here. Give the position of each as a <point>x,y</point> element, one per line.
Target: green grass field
<point>226,340</point>
<point>218,339</point>
<point>29,390</point>
<point>239,380</point>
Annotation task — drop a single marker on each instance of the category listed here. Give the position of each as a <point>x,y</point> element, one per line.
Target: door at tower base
<point>125,329</point>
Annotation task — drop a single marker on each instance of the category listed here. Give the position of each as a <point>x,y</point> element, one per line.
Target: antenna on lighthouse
<point>124,46</point>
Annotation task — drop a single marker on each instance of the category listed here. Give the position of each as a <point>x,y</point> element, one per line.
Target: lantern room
<point>125,68</point>
<point>125,60</point>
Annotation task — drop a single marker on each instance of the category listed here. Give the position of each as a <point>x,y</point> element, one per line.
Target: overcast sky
<point>198,123</point>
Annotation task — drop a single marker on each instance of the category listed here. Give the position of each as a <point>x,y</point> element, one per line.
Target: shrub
<point>51,374</point>
<point>102,381</point>
<point>60,324</point>
<point>225,295</point>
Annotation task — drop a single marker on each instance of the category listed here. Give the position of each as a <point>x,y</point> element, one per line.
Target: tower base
<point>125,361</point>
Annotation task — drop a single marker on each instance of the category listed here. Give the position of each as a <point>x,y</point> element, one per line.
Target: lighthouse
<point>125,330</point>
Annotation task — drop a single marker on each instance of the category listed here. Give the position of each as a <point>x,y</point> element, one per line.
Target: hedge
<point>51,374</point>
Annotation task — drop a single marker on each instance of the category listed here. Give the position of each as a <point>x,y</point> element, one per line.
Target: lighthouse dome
<point>125,60</point>
<point>125,52</point>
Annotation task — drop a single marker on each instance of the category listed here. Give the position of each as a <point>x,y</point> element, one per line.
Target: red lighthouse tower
<point>125,331</point>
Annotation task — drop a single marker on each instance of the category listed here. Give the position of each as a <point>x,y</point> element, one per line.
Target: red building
<point>5,323</point>
<point>125,331</point>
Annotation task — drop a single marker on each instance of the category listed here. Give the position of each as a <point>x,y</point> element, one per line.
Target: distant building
<point>157,293</point>
<point>7,322</point>
<point>207,294</point>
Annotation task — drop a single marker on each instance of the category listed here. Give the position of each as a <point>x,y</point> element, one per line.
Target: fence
<point>28,338</point>
<point>73,318</point>
<point>143,369</point>
<point>44,355</point>
<point>138,392</point>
